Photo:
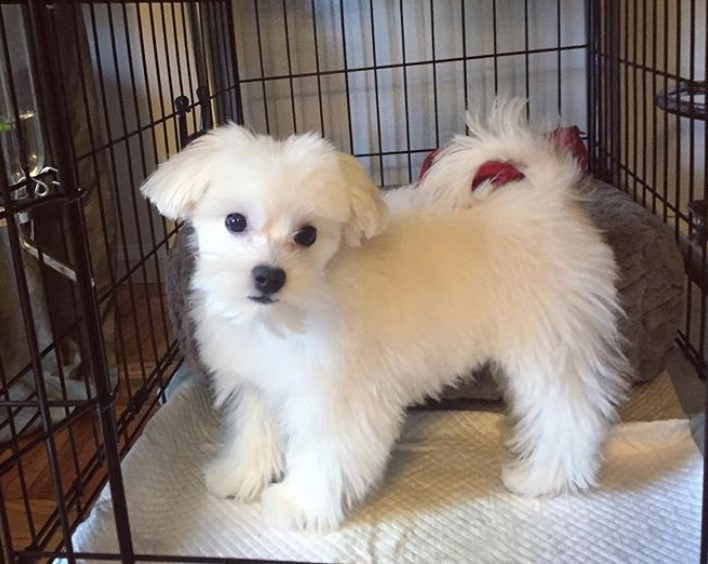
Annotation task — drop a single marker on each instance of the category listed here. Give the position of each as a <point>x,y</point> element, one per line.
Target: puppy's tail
<point>503,148</point>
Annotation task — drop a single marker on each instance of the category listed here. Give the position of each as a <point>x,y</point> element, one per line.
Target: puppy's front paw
<point>240,479</point>
<point>289,507</point>
<point>525,481</point>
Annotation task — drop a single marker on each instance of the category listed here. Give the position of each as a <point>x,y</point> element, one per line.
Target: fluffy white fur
<point>381,312</point>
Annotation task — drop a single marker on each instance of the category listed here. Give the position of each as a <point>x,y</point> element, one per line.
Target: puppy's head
<point>268,215</point>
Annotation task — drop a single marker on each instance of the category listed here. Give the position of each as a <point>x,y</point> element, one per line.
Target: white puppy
<point>322,319</point>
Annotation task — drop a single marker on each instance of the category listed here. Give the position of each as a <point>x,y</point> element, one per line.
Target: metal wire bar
<point>465,78</point>
<point>665,148</point>
<point>221,67</point>
<point>635,116</point>
<point>187,57</point>
<point>626,113</point>
<point>288,58</point>
<point>559,57</point>
<point>262,66</point>
<point>23,295</point>
<point>677,120</point>
<point>495,54</point>
<point>313,8</point>
<point>654,55</point>
<point>527,73</point>
<point>235,73</point>
<point>343,29</point>
<point>377,98</point>
<point>405,91</point>
<point>702,337</point>
<point>700,357</point>
<point>346,69</point>
<point>436,112</point>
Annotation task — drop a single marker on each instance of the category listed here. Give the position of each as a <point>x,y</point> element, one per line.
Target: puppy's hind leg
<point>252,455</point>
<point>563,403</point>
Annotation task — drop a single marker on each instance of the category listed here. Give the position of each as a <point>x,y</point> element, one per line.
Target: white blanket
<point>442,500</point>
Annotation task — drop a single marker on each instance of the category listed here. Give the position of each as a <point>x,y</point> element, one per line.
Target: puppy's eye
<point>306,236</point>
<point>236,222</point>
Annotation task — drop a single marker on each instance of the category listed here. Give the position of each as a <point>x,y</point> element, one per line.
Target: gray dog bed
<point>651,287</point>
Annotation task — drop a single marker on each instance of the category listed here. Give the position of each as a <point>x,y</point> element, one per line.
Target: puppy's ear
<point>369,214</point>
<point>181,181</point>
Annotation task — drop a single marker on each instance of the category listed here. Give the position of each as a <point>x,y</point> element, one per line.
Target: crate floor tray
<point>442,500</point>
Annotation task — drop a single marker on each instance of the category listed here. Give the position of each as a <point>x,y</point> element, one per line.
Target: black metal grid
<point>108,76</point>
<point>342,89</point>
<point>648,134</point>
<point>122,85</point>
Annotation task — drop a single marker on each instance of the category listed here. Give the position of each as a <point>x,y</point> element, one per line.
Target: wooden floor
<point>28,492</point>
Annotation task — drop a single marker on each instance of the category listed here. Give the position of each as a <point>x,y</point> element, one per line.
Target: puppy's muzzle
<point>267,280</point>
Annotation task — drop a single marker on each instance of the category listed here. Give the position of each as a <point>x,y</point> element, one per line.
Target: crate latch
<point>183,106</point>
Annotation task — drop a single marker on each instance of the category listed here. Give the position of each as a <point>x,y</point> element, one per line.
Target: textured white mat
<point>443,500</point>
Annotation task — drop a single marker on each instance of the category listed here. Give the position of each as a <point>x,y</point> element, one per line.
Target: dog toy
<point>499,173</point>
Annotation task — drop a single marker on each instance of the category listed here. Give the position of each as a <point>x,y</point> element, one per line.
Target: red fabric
<point>569,138</point>
<point>498,173</point>
<point>503,172</point>
<point>427,163</point>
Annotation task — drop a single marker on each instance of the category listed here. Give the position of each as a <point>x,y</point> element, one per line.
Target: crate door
<point>92,97</point>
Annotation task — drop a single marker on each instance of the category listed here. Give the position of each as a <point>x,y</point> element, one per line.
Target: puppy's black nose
<point>267,279</point>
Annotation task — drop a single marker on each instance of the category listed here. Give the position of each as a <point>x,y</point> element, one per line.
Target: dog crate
<point>94,94</point>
